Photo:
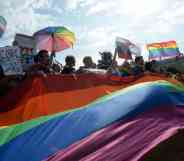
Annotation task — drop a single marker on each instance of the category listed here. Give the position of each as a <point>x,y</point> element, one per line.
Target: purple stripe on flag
<point>163,52</point>
<point>126,140</point>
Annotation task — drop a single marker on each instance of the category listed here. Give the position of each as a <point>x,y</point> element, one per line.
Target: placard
<point>25,41</point>
<point>10,60</point>
<point>27,47</point>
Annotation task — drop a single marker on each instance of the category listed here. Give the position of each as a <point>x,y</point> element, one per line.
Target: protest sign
<point>25,41</point>
<point>10,60</point>
<point>27,47</point>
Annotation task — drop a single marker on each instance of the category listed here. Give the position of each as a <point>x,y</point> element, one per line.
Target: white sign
<point>10,60</point>
<point>25,41</point>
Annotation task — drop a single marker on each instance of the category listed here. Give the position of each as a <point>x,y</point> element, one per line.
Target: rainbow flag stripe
<point>163,49</point>
<point>47,137</point>
<point>3,24</point>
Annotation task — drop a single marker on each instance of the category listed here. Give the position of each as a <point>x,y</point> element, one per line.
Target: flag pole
<point>115,56</point>
<point>53,54</point>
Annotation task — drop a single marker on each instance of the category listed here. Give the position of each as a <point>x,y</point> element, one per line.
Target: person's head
<point>139,60</point>
<point>153,62</point>
<point>172,70</point>
<point>15,43</point>
<point>70,61</point>
<point>56,68</point>
<point>126,64</point>
<point>88,62</point>
<point>106,56</point>
<point>42,57</point>
<point>148,66</point>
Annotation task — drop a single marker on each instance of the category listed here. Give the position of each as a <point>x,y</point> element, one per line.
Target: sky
<point>97,23</point>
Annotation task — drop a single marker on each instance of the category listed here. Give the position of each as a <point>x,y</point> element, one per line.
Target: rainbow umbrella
<point>54,39</point>
<point>3,24</point>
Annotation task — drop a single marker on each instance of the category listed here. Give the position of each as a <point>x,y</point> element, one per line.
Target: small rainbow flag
<point>163,49</point>
<point>3,24</point>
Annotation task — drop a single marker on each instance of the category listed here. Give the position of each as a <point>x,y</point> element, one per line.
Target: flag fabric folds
<point>163,50</point>
<point>126,48</point>
<point>115,124</point>
<point>122,48</point>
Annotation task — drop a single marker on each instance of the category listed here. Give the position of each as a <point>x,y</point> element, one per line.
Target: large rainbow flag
<point>163,50</point>
<point>89,117</point>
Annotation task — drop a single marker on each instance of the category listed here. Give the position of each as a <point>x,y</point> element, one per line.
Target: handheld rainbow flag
<point>3,24</point>
<point>163,49</point>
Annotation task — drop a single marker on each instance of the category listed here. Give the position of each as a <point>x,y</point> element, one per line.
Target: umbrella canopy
<point>3,24</point>
<point>54,39</point>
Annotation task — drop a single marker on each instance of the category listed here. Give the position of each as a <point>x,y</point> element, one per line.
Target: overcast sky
<point>97,23</point>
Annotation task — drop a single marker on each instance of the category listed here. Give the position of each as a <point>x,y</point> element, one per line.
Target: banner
<point>163,50</point>
<point>10,60</point>
<point>60,118</point>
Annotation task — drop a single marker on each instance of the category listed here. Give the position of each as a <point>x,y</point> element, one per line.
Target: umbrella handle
<point>53,44</point>
<point>53,55</point>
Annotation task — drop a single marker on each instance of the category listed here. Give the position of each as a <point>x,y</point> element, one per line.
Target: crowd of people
<point>44,65</point>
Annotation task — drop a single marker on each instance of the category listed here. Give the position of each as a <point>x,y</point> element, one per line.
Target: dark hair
<point>36,58</point>
<point>138,58</point>
<point>42,52</point>
<point>148,66</point>
<point>40,55</point>
<point>106,54</point>
<point>172,70</point>
<point>87,58</point>
<point>69,59</point>
<point>1,71</point>
<point>153,62</point>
